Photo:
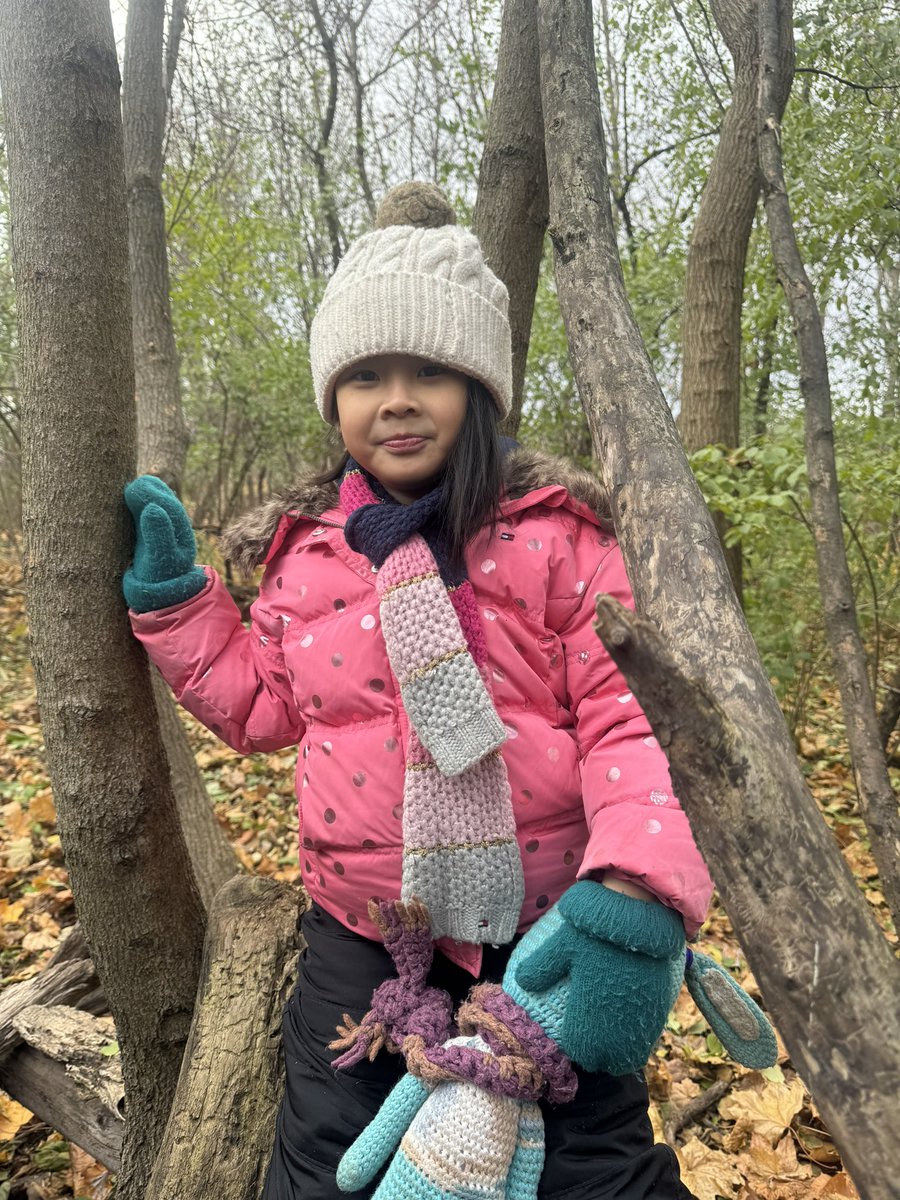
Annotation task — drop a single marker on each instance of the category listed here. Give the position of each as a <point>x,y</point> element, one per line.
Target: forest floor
<point>739,1134</point>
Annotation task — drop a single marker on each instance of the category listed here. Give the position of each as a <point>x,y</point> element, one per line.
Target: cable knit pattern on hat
<point>421,291</point>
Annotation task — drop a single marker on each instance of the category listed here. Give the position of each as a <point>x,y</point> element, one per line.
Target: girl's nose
<point>399,396</point>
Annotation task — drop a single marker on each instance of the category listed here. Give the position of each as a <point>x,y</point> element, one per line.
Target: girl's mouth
<point>404,445</point>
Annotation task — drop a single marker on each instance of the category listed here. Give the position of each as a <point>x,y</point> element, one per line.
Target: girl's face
<point>399,417</point>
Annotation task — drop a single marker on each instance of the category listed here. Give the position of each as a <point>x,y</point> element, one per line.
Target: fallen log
<point>72,983</point>
<point>67,1080</point>
<point>221,1126</point>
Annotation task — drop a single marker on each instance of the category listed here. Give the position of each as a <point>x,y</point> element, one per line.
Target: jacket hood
<point>247,541</point>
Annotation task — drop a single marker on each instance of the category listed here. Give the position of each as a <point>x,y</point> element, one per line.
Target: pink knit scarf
<point>460,854</point>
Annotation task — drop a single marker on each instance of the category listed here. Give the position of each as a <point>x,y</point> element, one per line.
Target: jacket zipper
<point>319,520</point>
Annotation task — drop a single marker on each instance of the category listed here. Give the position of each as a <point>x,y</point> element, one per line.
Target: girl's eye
<point>432,369</point>
<point>363,375</point>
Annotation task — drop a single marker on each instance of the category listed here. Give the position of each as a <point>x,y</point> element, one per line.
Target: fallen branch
<point>69,983</point>
<point>76,1089</point>
<point>695,1108</point>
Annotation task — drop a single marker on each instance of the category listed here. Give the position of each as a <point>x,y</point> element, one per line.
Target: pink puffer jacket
<point>590,785</point>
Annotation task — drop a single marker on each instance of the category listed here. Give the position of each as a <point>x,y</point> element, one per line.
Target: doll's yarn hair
<point>412,1018</point>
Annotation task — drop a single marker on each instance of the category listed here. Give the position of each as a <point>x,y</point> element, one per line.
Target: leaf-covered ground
<point>739,1134</point>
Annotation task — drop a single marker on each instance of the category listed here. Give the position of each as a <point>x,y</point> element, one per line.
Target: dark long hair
<point>473,474</point>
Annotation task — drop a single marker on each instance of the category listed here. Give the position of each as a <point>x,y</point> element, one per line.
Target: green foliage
<point>761,489</point>
<point>237,300</point>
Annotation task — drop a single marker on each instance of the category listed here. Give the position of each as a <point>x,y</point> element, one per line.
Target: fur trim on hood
<point>246,542</point>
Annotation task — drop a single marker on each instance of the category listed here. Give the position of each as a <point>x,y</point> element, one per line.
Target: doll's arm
<point>371,1150</point>
<point>528,1159</point>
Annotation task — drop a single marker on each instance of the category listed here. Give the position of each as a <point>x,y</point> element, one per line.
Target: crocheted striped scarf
<point>460,854</point>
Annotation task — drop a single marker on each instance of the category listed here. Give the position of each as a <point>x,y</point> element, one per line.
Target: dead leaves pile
<point>759,1138</point>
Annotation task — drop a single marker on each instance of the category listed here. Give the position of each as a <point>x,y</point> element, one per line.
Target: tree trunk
<point>127,862</point>
<point>220,1132</point>
<point>714,276</point>
<point>510,214</point>
<point>162,432</point>
<point>877,802</point>
<point>846,1049</point>
<point>212,859</point>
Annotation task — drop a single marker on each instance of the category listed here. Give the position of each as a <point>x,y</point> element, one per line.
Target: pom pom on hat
<point>414,203</point>
<point>417,285</point>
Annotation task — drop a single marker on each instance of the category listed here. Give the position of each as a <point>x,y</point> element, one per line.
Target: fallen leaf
<point>769,1107</point>
<point>42,809</point>
<point>40,939</point>
<point>705,1172</point>
<point>11,911</point>
<point>89,1178</point>
<point>656,1124</point>
<point>14,818</point>
<point>840,1185</point>
<point>19,853</point>
<point>12,1117</point>
<point>684,1090</point>
<point>779,1161</point>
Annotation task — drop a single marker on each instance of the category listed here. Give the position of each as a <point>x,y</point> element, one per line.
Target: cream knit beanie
<point>417,285</point>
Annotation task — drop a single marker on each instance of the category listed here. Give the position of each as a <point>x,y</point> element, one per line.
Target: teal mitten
<point>624,962</point>
<point>163,571</point>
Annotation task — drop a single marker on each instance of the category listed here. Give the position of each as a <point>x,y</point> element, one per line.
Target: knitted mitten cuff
<point>638,925</point>
<point>142,596</point>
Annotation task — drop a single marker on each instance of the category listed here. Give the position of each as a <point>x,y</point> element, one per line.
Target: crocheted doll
<point>465,1117</point>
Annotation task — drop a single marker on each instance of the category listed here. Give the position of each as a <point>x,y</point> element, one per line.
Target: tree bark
<point>877,801</point>
<point>162,432</point>
<point>219,1137</point>
<point>127,862</point>
<point>714,276</point>
<point>680,580</point>
<point>510,215</point>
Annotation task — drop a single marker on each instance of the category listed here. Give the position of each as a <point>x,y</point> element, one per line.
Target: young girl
<point>424,633</point>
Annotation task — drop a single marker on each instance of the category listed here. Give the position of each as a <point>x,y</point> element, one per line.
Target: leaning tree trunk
<point>877,801</point>
<point>129,869</point>
<point>162,432</point>
<point>827,973</point>
<point>714,276</point>
<point>510,214</point>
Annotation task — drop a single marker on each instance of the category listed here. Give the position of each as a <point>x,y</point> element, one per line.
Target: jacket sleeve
<point>637,829</point>
<point>231,678</point>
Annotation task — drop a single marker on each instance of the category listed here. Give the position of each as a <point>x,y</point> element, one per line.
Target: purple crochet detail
<point>407,1006</point>
<point>561,1080</point>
